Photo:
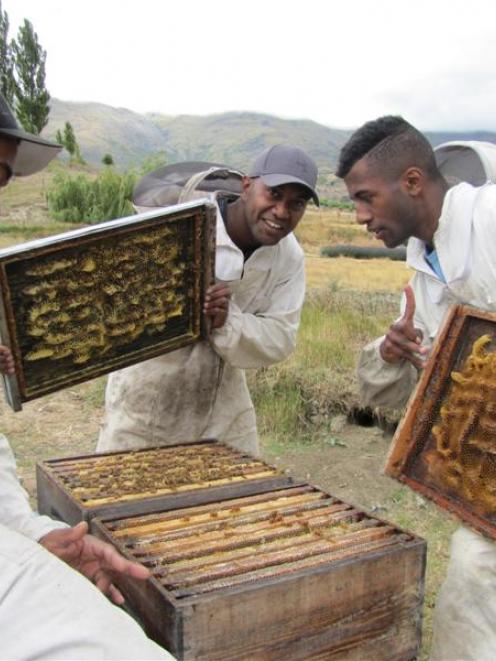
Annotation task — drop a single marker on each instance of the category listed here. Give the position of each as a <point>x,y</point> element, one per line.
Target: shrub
<point>81,199</point>
<point>345,205</point>
<point>364,252</point>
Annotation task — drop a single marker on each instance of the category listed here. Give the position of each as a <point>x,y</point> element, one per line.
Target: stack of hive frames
<point>120,483</point>
<point>293,573</point>
<point>445,447</point>
<point>87,302</point>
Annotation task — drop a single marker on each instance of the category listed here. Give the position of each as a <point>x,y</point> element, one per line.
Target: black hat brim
<point>33,152</point>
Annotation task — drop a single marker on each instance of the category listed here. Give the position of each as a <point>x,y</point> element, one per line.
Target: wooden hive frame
<point>68,314</point>
<point>415,441</point>
<point>294,573</point>
<point>65,486</point>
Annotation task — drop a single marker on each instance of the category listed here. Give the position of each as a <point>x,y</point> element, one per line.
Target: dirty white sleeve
<point>251,340</point>
<point>49,611</point>
<point>381,383</point>
<point>15,511</point>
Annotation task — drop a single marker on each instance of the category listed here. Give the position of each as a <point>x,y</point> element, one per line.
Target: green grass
<point>320,374</point>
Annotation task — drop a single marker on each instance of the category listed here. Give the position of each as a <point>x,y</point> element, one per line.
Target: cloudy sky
<point>338,62</point>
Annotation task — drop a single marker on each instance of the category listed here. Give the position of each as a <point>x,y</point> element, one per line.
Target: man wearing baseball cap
<point>200,391</point>
<point>47,609</point>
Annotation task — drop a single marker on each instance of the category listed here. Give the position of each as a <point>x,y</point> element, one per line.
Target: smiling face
<point>270,214</point>
<point>385,207</point>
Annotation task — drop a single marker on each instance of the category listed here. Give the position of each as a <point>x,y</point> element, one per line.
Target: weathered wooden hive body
<point>247,563</point>
<point>87,302</point>
<point>122,483</point>
<point>445,447</point>
<point>288,574</point>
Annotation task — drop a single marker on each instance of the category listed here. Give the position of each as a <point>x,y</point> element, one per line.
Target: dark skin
<point>394,210</point>
<point>262,215</point>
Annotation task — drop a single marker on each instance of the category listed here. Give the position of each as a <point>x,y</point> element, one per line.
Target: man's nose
<point>281,209</point>
<point>363,214</point>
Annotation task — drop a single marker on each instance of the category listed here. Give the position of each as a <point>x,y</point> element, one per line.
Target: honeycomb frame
<point>444,447</point>
<point>81,304</point>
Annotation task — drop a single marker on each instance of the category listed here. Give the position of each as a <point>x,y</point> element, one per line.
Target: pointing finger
<point>410,303</point>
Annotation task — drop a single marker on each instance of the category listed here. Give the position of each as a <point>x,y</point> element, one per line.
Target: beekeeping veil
<point>472,161</point>
<point>180,182</point>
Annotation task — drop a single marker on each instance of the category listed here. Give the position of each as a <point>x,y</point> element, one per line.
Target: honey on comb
<point>464,456</point>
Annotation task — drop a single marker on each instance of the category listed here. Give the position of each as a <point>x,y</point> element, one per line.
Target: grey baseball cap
<point>33,152</point>
<point>285,164</point>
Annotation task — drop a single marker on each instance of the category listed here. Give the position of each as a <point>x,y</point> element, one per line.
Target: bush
<point>81,199</point>
<point>364,252</point>
<point>342,205</point>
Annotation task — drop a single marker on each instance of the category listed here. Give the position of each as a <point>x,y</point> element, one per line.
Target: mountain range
<point>234,138</point>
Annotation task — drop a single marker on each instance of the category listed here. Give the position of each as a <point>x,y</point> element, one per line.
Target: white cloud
<point>337,63</point>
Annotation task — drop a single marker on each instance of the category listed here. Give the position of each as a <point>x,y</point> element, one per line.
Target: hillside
<point>233,137</point>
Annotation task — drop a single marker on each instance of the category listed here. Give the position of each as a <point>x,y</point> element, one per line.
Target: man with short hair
<point>200,391</point>
<point>48,610</point>
<point>390,172</point>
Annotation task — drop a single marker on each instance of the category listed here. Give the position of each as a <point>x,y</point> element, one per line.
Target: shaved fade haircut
<point>390,145</point>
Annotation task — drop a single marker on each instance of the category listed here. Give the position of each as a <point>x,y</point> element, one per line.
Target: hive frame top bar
<point>395,538</point>
<point>89,231</point>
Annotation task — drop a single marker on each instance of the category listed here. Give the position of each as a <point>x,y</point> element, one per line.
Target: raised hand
<point>93,558</point>
<point>216,305</point>
<point>403,340</point>
<point>6,360</point>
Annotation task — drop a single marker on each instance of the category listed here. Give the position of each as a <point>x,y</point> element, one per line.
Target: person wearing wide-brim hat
<point>47,609</point>
<point>33,153</point>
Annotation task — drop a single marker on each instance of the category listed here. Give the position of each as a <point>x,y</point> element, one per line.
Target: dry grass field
<point>302,404</point>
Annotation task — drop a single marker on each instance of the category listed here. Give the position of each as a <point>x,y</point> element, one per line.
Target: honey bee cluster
<point>464,457</point>
<point>84,304</point>
<point>131,475</point>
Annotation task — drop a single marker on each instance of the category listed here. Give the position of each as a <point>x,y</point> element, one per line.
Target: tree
<point>31,95</point>
<point>107,159</point>
<point>69,140</point>
<point>6,61</point>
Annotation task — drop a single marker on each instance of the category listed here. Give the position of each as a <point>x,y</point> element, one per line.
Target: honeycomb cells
<point>88,303</point>
<point>107,479</point>
<point>463,459</point>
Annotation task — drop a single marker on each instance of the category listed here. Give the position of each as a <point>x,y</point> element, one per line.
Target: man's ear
<point>246,184</point>
<point>413,180</point>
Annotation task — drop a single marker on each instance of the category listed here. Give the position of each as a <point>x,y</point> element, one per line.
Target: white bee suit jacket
<point>15,511</point>
<point>466,246</point>
<point>49,611</point>
<point>200,391</point>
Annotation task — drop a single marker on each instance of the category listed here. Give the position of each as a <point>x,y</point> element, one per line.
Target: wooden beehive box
<point>122,483</point>
<point>86,302</point>
<point>288,574</point>
<point>445,446</point>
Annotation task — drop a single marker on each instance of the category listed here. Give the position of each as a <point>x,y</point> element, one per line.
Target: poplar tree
<point>69,140</point>
<point>6,63</point>
<point>31,95</point>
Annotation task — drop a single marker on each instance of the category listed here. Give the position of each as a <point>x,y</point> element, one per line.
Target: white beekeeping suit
<point>465,240</point>
<point>200,391</point>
